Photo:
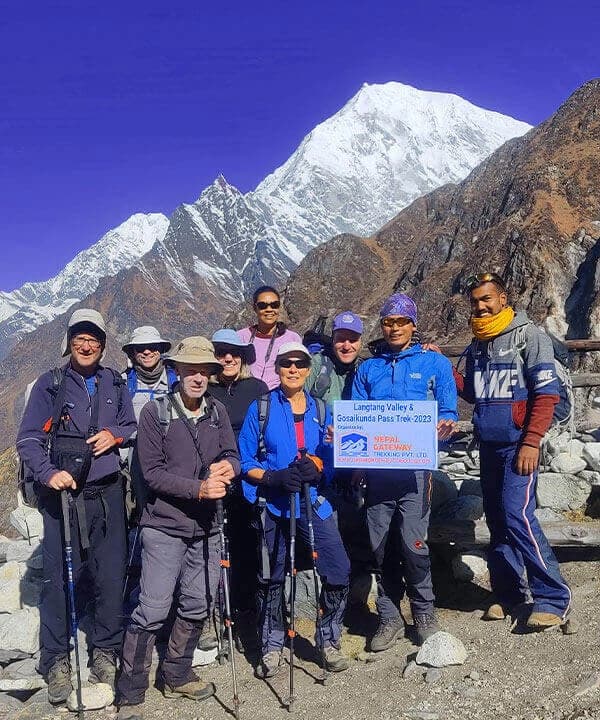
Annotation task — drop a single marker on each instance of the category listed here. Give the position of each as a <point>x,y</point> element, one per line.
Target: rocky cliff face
<point>531,212</point>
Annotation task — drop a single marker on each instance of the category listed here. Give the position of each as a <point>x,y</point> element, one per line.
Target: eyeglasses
<point>143,348</point>
<point>261,305</point>
<point>300,364</point>
<point>474,280</point>
<point>79,342</point>
<point>392,322</point>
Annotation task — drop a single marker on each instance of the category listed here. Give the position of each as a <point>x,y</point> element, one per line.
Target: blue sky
<point>113,108</point>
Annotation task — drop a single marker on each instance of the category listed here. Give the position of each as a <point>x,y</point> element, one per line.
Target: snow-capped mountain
<point>387,146</point>
<point>34,304</point>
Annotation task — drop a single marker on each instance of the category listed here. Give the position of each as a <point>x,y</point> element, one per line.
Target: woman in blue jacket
<point>270,441</point>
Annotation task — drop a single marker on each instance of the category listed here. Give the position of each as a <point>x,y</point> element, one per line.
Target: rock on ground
<point>567,463</point>
<point>19,632</point>
<point>591,454</point>
<point>27,522</point>
<point>94,697</point>
<point>469,566</point>
<point>441,650</point>
<point>562,492</point>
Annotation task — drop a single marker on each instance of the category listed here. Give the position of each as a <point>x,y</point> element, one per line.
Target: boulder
<point>23,551</point>
<point>19,632</point>
<point>567,463</point>
<point>470,487</point>
<point>591,454</point>
<point>440,650</point>
<point>27,522</point>
<point>556,445</point>
<point>592,476</point>
<point>444,490</point>
<point>548,515</point>
<point>562,492</point>
<point>94,697</point>
<point>20,669</point>
<point>455,467</point>
<point>36,682</point>
<point>468,567</point>
<point>466,507</point>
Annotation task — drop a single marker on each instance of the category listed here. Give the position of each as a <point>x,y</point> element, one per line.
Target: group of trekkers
<point>244,421</point>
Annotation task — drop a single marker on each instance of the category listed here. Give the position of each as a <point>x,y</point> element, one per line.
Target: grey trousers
<point>398,508</point>
<point>168,562</point>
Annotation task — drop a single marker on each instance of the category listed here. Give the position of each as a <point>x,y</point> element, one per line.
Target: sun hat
<point>146,335</point>
<point>84,320</point>
<point>227,336</point>
<point>347,321</point>
<point>292,347</point>
<point>399,304</point>
<point>196,350</point>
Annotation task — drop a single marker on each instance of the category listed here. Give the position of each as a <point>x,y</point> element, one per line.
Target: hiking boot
<point>130,712</point>
<point>542,620</point>
<point>270,664</point>
<point>388,632</point>
<point>194,689</point>
<point>425,626</point>
<point>334,660</point>
<point>495,612</point>
<point>59,681</point>
<point>104,667</point>
<point>208,637</point>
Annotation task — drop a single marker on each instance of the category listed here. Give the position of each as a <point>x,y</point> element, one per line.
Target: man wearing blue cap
<point>398,501</point>
<point>332,370</point>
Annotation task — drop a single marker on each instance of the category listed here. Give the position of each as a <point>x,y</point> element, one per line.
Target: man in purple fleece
<point>188,456</point>
<point>92,411</point>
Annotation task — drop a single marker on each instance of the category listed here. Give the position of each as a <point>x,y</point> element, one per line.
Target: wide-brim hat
<point>230,338</point>
<point>196,350</point>
<point>84,320</point>
<point>146,335</point>
<point>292,347</point>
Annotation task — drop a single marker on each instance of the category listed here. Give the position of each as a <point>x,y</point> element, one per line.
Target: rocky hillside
<point>530,212</point>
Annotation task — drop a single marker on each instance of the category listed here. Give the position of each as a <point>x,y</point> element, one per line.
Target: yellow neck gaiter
<point>486,328</point>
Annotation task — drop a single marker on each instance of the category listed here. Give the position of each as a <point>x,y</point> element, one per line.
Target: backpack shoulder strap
<point>163,408</point>
<point>214,412</point>
<point>264,408</point>
<point>59,387</point>
<point>171,377</point>
<point>320,403</point>
<point>131,381</point>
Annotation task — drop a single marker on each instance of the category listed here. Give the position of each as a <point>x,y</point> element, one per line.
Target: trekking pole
<point>65,500</point>
<point>292,627</point>
<point>314,555</point>
<point>227,618</point>
<point>129,562</point>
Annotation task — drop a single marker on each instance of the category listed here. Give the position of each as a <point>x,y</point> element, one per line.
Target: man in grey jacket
<point>188,457</point>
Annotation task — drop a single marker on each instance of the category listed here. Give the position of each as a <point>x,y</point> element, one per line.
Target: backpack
<point>163,408</point>
<point>264,409</point>
<point>132,383</point>
<point>563,411</point>
<point>26,487</point>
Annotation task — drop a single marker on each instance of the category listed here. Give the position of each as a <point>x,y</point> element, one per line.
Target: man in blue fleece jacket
<point>398,502</point>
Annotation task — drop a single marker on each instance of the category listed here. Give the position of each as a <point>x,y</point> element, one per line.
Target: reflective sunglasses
<point>300,364</point>
<point>474,280</point>
<point>79,342</point>
<point>261,305</point>
<point>399,322</point>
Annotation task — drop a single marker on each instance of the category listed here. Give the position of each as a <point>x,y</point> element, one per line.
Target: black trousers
<point>103,563</point>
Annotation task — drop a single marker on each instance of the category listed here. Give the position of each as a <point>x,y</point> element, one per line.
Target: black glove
<point>289,479</point>
<point>307,470</point>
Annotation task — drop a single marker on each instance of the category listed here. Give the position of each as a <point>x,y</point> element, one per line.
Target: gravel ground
<point>508,675</point>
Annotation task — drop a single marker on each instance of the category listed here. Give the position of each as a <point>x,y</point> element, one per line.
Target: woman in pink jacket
<point>267,335</point>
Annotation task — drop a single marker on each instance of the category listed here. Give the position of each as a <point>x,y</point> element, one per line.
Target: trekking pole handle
<point>220,512</point>
<point>64,499</point>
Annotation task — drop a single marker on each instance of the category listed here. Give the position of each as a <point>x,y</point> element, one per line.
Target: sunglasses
<point>474,280</point>
<point>300,364</point>
<point>222,350</point>
<point>143,348</point>
<point>389,322</point>
<point>261,305</point>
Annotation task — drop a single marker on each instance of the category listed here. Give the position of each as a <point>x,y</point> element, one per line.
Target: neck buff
<point>150,377</point>
<point>486,328</point>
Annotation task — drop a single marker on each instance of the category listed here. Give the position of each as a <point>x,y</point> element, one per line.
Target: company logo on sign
<point>353,445</point>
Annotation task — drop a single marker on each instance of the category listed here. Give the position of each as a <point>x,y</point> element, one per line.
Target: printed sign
<point>387,434</point>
